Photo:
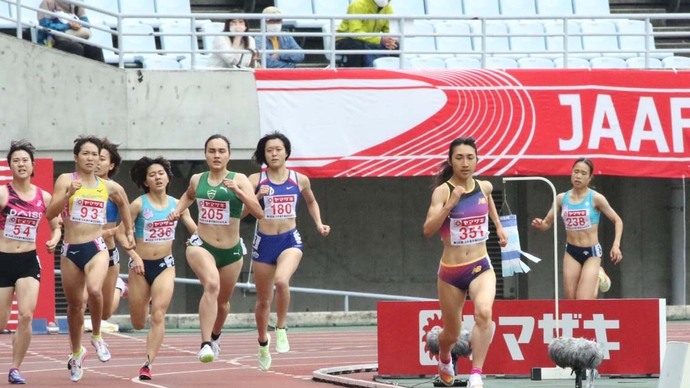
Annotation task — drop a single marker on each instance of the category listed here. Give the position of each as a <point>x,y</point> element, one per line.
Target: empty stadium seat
<point>200,62</point>
<point>501,63</point>
<point>607,63</point>
<point>141,7</point>
<point>137,39</point>
<point>111,6</point>
<point>208,34</point>
<point>554,7</point>
<point>180,46</point>
<point>642,63</point>
<point>162,63</point>
<point>298,8</point>
<point>535,63</point>
<point>330,7</point>
<point>390,63</point>
<point>676,62</point>
<point>527,38</point>
<point>479,8</point>
<point>461,45</point>
<point>105,39</point>
<point>177,7</point>
<point>556,37</point>
<point>463,63</point>
<point>408,8</point>
<point>572,63</point>
<point>444,7</point>
<point>427,63</point>
<point>631,38</point>
<point>5,13</point>
<point>601,37</point>
<point>517,8</point>
<point>495,38</point>
<point>591,7</point>
<point>413,43</point>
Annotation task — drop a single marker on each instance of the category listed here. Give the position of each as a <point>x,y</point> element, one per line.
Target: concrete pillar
<point>678,238</point>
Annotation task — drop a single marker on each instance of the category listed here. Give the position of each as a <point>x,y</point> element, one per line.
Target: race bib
<point>576,219</point>
<point>280,206</point>
<point>21,228</point>
<point>159,231</point>
<point>469,230</point>
<point>214,212</point>
<point>88,211</point>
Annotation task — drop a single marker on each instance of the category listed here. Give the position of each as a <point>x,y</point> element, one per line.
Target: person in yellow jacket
<point>374,42</point>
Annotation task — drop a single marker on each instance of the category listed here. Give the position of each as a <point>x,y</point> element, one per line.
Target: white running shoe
<point>446,373</point>
<point>206,354</point>
<point>75,366</point>
<point>101,349</point>
<point>282,344</point>
<point>604,280</point>
<point>215,345</point>
<point>475,381</point>
<point>265,356</point>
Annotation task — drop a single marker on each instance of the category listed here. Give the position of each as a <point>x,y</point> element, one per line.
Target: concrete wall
<point>376,243</point>
<point>51,97</point>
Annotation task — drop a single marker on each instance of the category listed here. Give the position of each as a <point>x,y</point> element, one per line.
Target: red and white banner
<point>632,331</point>
<point>45,308</point>
<point>371,123</point>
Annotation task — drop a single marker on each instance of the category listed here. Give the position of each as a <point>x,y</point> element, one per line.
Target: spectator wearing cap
<point>285,43</point>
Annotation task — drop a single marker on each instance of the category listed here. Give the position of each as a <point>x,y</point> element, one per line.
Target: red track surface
<point>177,365</point>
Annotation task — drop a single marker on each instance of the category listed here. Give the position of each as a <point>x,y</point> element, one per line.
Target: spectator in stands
<point>235,51</point>
<point>22,205</point>
<point>465,266</point>
<point>351,26</point>
<point>69,22</point>
<point>284,43</point>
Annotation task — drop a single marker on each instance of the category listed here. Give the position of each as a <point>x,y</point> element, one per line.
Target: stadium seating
<point>112,6</point>
<point>427,63</point>
<point>643,63</point>
<point>556,37</point>
<point>517,8</point>
<point>444,8</point>
<point>138,40</point>
<point>591,7</point>
<point>130,7</point>
<point>162,63</point>
<point>5,13</point>
<point>631,38</point>
<point>105,39</point>
<point>478,8</point>
<point>554,7</point>
<point>172,40</point>
<point>599,37</point>
<point>607,63</point>
<point>453,45</point>
<point>463,63</point>
<point>208,34</point>
<point>527,38</point>
<point>572,63</point>
<point>501,63</point>
<point>419,37</point>
<point>676,63</point>
<point>298,8</point>
<point>535,63</point>
<point>177,7</point>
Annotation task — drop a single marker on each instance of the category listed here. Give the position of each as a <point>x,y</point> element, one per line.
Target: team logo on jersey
<point>482,200</point>
<point>211,194</point>
<point>477,269</point>
<point>148,213</point>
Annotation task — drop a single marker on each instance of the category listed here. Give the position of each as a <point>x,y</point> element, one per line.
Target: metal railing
<point>316,291</point>
<point>400,29</point>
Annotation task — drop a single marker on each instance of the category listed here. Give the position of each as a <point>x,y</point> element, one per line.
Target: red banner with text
<point>43,178</point>
<point>632,332</point>
<point>370,123</point>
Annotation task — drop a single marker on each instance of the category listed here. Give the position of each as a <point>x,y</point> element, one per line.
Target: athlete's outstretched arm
<point>312,205</point>
<point>186,199</point>
<point>493,213</point>
<point>603,205</point>
<point>545,223</point>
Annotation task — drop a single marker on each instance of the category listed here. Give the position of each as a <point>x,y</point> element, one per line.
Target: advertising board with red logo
<point>373,123</point>
<point>632,332</point>
<point>43,178</point>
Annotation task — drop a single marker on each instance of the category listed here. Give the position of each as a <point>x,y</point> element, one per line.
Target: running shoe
<point>145,372</point>
<point>446,373</point>
<point>475,381</point>
<point>75,365</point>
<point>101,349</point>
<point>282,344</point>
<point>206,354</point>
<point>15,377</point>
<point>215,345</point>
<point>122,286</point>
<point>604,280</point>
<point>265,356</point>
